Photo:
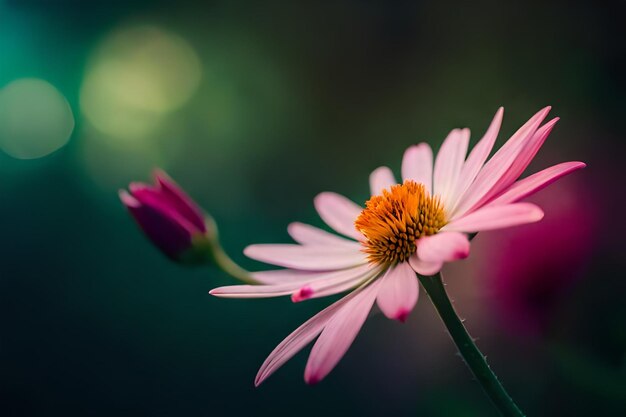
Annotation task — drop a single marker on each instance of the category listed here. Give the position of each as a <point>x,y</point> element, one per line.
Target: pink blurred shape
<point>166,214</point>
<point>531,268</point>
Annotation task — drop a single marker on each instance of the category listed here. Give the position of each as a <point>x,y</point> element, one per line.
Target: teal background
<point>294,99</point>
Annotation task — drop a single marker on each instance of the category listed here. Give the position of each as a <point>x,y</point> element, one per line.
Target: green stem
<point>474,359</point>
<point>207,248</point>
<point>226,264</point>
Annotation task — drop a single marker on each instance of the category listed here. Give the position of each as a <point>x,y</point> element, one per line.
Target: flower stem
<point>474,359</point>
<point>226,264</point>
<point>211,248</point>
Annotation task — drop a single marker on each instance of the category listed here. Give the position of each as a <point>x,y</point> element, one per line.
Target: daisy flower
<point>414,226</point>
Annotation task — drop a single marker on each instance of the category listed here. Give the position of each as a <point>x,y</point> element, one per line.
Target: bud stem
<point>221,259</point>
<point>226,264</point>
<point>474,359</point>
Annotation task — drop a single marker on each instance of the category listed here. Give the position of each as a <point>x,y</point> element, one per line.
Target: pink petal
<point>128,200</point>
<point>423,267</point>
<point>165,227</point>
<point>286,276</point>
<point>147,196</point>
<point>309,235</point>
<point>526,155</point>
<point>498,165</point>
<point>336,283</point>
<point>495,217</point>
<point>380,179</point>
<point>313,285</point>
<point>256,291</point>
<point>479,154</point>
<point>398,292</point>
<point>536,182</point>
<point>339,213</point>
<point>443,247</point>
<point>338,334</point>
<point>449,163</point>
<point>417,165</point>
<point>179,199</point>
<point>310,258</point>
<point>283,276</point>
<point>297,340</point>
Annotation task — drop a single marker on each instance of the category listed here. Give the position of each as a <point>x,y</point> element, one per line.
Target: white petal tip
<point>217,292</point>
<point>249,251</point>
<point>293,225</point>
<point>379,170</point>
<point>128,199</point>
<point>321,197</point>
<point>547,128</point>
<point>543,112</point>
<point>537,214</point>
<point>420,147</point>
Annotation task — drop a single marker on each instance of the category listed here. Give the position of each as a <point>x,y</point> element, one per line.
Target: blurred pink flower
<point>168,216</point>
<point>531,268</point>
<point>416,226</point>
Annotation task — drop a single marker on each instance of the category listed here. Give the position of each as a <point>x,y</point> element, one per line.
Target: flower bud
<point>170,219</point>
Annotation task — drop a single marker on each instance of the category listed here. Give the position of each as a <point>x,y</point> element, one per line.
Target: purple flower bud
<point>169,217</point>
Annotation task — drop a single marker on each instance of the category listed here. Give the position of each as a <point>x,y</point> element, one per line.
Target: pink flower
<point>404,229</point>
<point>531,281</point>
<point>168,216</point>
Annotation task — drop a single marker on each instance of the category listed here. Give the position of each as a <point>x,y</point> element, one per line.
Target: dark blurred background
<point>254,109</point>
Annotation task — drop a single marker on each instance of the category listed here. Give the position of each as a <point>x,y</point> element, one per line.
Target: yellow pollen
<point>393,221</point>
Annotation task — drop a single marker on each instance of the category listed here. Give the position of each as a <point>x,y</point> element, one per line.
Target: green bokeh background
<point>297,98</point>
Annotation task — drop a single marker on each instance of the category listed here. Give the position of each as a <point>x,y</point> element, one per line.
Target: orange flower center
<point>393,221</point>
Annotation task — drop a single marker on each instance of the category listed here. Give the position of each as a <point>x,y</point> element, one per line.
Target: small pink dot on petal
<point>312,379</point>
<point>302,294</point>
<point>402,315</point>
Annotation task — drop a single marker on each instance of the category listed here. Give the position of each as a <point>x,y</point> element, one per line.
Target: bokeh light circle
<point>136,77</point>
<point>35,119</point>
